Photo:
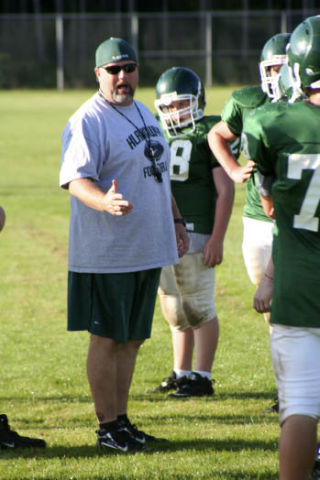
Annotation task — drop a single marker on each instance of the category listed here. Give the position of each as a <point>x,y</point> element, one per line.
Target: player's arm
<point>264,186</point>
<point>213,250</point>
<point>267,205</point>
<point>88,192</point>
<point>181,233</point>
<point>220,138</point>
<point>263,295</point>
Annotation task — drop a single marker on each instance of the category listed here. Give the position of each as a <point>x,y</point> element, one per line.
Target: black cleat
<point>169,383</point>
<point>315,474</point>
<point>274,407</point>
<point>194,386</point>
<point>138,435</point>
<point>118,439</point>
<point>11,439</point>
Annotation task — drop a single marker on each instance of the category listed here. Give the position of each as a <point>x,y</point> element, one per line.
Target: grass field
<point>43,385</point>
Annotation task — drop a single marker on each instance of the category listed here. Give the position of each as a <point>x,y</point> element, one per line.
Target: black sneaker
<point>118,439</point>
<point>194,386</point>
<point>169,383</point>
<point>11,439</point>
<point>315,474</point>
<point>138,435</point>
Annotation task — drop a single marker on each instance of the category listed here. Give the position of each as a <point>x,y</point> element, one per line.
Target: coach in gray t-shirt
<point>124,227</point>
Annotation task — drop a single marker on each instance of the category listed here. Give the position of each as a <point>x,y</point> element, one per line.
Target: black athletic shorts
<point>113,305</point>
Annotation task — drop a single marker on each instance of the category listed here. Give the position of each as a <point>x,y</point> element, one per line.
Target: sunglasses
<point>115,69</point>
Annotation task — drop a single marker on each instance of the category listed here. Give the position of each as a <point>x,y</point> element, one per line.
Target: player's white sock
<point>182,373</point>
<point>203,373</point>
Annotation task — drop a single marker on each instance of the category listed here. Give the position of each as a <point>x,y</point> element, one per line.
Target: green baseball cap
<point>114,50</point>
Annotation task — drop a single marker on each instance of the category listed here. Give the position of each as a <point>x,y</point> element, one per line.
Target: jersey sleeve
<point>212,159</point>
<point>232,116</point>
<point>255,145</point>
<point>80,153</point>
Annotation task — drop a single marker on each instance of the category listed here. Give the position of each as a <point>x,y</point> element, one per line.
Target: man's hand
<point>182,239</point>
<point>114,202</point>
<point>91,195</point>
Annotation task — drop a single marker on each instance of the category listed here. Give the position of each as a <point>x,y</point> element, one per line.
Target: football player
<point>257,226</point>
<point>204,194</point>
<point>9,438</point>
<point>284,141</point>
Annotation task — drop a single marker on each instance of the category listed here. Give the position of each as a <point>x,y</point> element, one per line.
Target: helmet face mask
<point>284,86</point>
<point>180,101</point>
<point>273,55</point>
<point>175,118</point>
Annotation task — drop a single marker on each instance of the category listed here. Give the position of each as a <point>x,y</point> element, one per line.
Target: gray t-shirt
<point>101,144</point>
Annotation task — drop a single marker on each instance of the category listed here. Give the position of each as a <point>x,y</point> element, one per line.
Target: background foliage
<point>54,43</point>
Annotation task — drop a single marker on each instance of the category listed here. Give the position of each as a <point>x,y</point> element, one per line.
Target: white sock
<point>182,373</point>
<point>203,374</point>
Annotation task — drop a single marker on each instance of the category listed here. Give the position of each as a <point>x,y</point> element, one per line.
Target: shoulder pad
<point>250,97</point>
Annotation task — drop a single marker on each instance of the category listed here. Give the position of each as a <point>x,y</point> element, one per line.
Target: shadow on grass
<point>200,445</point>
<point>240,475</point>
<point>221,419</point>
<point>146,396</point>
<point>218,397</point>
<point>225,475</point>
<point>208,421</point>
<point>48,399</point>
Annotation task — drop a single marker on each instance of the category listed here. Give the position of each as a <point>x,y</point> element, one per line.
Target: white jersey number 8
<point>180,159</point>
<point>296,164</point>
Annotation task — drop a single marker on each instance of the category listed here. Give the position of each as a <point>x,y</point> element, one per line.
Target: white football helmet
<point>273,54</point>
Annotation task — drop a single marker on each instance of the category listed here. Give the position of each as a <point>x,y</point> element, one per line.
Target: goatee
<point>123,97</point>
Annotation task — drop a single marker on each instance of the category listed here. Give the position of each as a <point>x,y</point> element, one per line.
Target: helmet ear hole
<point>182,88</point>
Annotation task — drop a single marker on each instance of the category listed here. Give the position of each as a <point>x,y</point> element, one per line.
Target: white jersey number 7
<point>306,218</point>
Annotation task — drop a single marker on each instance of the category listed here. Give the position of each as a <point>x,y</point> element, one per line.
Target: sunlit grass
<point>43,386</point>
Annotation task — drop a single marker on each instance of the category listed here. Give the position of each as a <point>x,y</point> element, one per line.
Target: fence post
<point>208,50</point>
<point>284,22</point>
<point>244,41</point>
<point>134,23</point>
<point>59,46</point>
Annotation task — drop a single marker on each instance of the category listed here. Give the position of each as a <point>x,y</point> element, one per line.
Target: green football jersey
<point>191,175</point>
<point>235,111</point>
<point>284,140</point>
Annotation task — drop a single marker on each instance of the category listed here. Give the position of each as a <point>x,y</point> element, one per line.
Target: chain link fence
<point>57,51</point>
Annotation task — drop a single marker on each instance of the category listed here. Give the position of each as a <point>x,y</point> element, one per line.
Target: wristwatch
<point>180,220</point>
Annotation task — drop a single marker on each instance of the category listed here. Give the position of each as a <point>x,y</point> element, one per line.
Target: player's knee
<point>198,311</point>
<point>173,312</point>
